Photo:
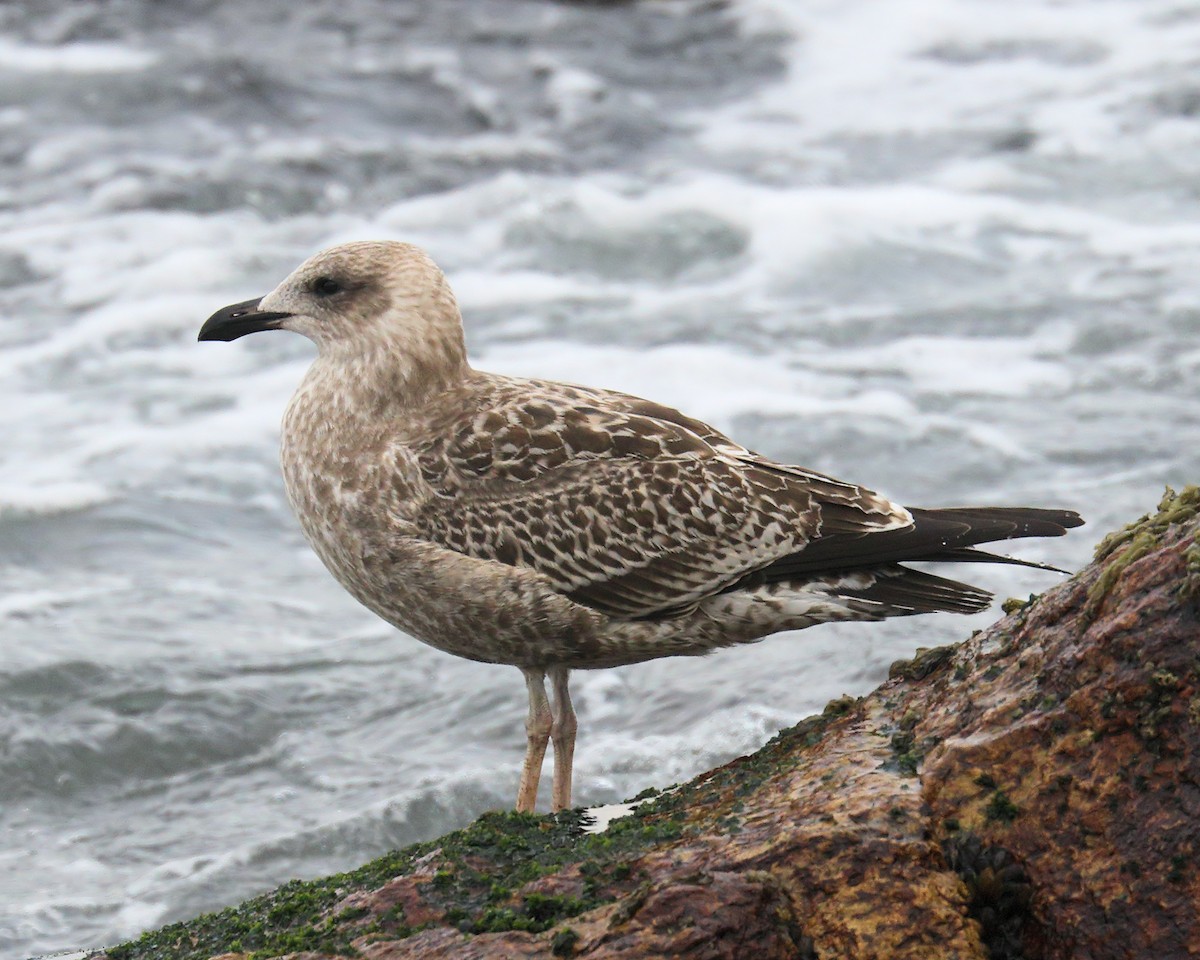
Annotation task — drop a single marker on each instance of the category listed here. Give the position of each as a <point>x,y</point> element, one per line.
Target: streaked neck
<point>373,379</point>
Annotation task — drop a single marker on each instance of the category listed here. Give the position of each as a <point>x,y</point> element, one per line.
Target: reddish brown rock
<point>1032,793</point>
<point>720,916</point>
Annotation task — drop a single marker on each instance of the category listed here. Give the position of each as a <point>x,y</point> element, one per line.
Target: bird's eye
<point>326,287</point>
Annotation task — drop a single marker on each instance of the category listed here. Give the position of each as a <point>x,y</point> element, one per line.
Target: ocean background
<point>946,248</point>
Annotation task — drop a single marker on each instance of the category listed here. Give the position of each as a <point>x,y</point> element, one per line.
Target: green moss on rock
<point>1140,538</point>
<point>563,944</point>
<point>487,862</point>
<point>925,662</point>
<point>1001,808</point>
<point>296,917</point>
<point>1190,588</point>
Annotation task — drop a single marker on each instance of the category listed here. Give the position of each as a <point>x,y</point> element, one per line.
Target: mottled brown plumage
<point>556,527</point>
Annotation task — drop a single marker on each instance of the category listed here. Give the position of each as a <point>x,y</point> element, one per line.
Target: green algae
<point>1190,588</point>
<point>485,865</point>
<point>923,663</point>
<point>1142,537</point>
<point>1157,705</point>
<point>1001,809</point>
<point>1016,604</point>
<point>563,944</point>
<point>1172,508</point>
<point>1012,605</point>
<point>908,756</point>
<point>291,919</point>
<point>480,888</point>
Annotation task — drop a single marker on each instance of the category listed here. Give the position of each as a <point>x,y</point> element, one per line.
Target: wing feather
<point>625,506</point>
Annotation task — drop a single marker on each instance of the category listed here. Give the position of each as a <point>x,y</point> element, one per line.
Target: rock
<point>1033,792</point>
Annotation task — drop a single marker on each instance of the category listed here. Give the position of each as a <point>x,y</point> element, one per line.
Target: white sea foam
<point>23,604</point>
<point>77,57</point>
<point>959,365</point>
<point>938,65</point>
<point>600,817</point>
<point>42,491</point>
<point>68,955</point>
<point>713,382</point>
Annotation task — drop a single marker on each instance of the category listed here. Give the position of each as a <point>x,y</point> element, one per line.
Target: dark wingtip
<point>1062,518</point>
<point>975,555</point>
<point>1007,523</point>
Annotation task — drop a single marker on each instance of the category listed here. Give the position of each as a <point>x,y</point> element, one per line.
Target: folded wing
<point>632,514</point>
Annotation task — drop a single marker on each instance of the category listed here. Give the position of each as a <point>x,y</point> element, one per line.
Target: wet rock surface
<point>1033,792</point>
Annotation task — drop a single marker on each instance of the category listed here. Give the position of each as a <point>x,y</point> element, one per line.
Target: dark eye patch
<point>326,287</point>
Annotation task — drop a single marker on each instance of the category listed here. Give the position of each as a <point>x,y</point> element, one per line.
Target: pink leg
<point>537,732</point>
<point>563,733</point>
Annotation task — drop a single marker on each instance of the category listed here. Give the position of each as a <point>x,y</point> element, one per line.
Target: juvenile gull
<point>558,527</point>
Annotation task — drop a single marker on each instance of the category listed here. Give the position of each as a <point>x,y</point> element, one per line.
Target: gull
<point>557,527</point>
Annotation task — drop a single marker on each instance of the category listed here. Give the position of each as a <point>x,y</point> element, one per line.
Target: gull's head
<point>354,299</point>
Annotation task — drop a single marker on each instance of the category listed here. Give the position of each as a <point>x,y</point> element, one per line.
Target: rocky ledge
<point>1033,792</point>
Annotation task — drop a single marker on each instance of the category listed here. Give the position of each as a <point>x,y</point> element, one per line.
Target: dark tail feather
<point>988,524</point>
<point>903,591</point>
<point>971,555</point>
<point>935,535</point>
